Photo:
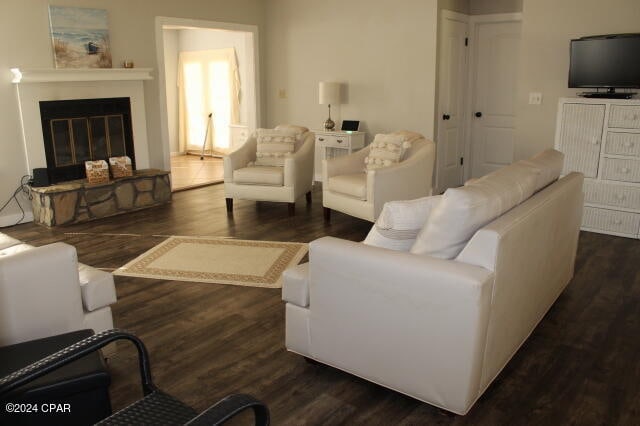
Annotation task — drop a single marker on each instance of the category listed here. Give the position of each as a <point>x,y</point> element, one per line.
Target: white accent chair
<point>269,183</point>
<point>439,330</point>
<point>44,291</point>
<point>348,188</point>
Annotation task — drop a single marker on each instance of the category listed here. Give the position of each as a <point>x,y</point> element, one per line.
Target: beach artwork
<point>80,37</point>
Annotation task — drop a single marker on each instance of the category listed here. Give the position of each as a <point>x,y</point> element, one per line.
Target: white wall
<point>171,43</point>
<point>548,25</point>
<point>384,51</point>
<point>460,6</point>
<point>27,44</point>
<point>482,7</point>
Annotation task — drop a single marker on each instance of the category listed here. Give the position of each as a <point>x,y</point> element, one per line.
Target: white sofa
<point>439,330</point>
<point>269,183</point>
<point>45,291</point>
<point>349,188</point>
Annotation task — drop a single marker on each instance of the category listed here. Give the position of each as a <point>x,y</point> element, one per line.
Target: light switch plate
<point>535,98</point>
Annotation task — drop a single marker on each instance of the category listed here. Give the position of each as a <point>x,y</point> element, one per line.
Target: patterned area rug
<point>217,260</point>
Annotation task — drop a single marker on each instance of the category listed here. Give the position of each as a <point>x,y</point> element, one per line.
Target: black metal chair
<point>156,407</point>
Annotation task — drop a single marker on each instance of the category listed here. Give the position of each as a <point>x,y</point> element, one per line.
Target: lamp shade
<point>329,93</point>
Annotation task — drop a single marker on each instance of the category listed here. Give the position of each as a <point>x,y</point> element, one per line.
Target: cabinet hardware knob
<point>321,139</point>
<point>595,141</point>
<point>446,116</point>
<point>478,114</point>
<point>339,140</point>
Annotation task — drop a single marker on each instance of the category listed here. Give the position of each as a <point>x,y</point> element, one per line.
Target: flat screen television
<point>608,62</point>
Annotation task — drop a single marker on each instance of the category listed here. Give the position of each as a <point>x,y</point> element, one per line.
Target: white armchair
<point>269,183</point>
<point>44,291</point>
<point>348,188</point>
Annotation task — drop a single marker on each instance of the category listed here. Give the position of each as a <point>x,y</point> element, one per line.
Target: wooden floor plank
<point>580,366</point>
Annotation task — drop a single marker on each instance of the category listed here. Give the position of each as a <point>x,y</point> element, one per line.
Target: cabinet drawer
<point>621,170</point>
<point>611,220</point>
<point>625,116</point>
<point>333,141</point>
<point>610,194</point>
<point>623,143</point>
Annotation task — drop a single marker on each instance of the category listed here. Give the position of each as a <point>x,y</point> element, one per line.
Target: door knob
<point>446,116</point>
<point>478,114</point>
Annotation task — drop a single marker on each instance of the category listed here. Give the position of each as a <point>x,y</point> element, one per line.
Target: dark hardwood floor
<point>580,366</point>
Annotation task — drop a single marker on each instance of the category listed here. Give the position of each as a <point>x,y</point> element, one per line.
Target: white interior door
<point>452,78</point>
<point>496,52</point>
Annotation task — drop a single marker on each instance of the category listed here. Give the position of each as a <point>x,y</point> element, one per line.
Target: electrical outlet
<point>282,94</point>
<point>535,98</point>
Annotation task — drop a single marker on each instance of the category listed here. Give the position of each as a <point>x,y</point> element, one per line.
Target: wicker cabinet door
<point>581,137</point>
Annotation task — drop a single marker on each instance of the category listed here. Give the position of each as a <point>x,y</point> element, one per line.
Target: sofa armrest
<point>415,323</point>
<point>39,293</point>
<point>343,165</point>
<point>239,158</point>
<point>407,180</point>
<point>298,169</point>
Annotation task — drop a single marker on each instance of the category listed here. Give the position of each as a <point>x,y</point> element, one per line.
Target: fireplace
<point>79,130</point>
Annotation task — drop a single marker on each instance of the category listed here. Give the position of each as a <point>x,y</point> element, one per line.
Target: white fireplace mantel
<point>36,85</point>
<point>50,75</point>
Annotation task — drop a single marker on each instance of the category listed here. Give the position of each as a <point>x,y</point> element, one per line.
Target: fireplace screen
<point>76,131</point>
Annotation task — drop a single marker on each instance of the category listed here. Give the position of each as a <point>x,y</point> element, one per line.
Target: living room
<point>210,340</point>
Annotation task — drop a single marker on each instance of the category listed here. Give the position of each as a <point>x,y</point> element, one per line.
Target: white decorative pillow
<point>274,146</point>
<point>400,222</point>
<point>385,151</point>
<point>549,163</point>
<point>301,132</point>
<point>466,209</point>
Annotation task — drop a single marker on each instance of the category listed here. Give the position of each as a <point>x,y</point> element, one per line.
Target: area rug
<point>217,260</point>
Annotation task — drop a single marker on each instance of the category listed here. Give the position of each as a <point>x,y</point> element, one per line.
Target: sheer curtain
<point>208,82</point>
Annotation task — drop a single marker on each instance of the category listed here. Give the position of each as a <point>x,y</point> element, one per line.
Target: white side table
<point>331,144</point>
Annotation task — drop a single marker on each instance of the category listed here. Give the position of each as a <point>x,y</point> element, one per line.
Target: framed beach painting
<point>80,37</point>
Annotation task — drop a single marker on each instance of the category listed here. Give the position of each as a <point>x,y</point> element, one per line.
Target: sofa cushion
<point>97,287</point>
<point>273,146</point>
<point>464,210</point>
<point>259,175</point>
<point>386,150</point>
<point>6,241</point>
<point>353,185</point>
<point>400,222</point>
<point>295,288</point>
<point>549,164</point>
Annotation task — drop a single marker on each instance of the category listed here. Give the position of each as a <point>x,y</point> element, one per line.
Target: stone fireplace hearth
<point>76,201</point>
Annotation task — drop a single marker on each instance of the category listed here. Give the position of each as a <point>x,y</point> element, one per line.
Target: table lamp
<point>329,93</point>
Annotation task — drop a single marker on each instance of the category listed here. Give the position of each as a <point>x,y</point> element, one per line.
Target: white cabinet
<point>334,144</point>
<point>601,138</point>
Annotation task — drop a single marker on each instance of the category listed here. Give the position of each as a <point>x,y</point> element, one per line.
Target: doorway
<point>478,66</point>
<point>208,80</point>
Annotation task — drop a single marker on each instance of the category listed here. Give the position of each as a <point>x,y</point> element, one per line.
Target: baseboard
<point>178,153</point>
<point>12,219</point>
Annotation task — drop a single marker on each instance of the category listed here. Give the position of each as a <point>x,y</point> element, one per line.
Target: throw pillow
<point>274,146</point>
<point>466,209</point>
<point>549,163</point>
<point>385,151</point>
<point>400,222</point>
<point>300,134</point>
